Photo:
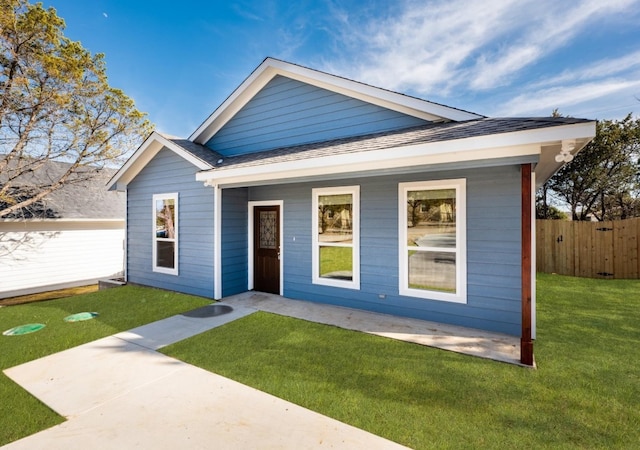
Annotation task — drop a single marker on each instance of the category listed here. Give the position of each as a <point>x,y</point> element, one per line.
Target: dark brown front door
<point>266,245</point>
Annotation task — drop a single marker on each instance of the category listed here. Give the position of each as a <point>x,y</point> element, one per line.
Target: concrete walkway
<point>119,392</point>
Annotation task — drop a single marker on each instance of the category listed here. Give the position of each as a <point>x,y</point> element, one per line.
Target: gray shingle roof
<point>200,151</point>
<point>438,132</point>
<point>87,199</point>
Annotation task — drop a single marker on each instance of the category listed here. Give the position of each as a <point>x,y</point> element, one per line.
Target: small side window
<point>165,233</point>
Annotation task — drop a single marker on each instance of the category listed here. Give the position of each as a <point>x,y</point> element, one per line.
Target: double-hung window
<point>336,236</point>
<point>165,233</point>
<point>432,221</point>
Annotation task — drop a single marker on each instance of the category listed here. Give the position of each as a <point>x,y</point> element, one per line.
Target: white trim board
<point>144,154</point>
<point>217,242</point>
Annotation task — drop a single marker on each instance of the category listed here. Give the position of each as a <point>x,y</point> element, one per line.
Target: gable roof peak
<point>271,67</point>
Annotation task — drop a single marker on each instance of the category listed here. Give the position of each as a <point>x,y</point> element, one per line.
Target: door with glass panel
<point>266,247</point>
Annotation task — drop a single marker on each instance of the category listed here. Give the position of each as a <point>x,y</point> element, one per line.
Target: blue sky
<point>180,59</point>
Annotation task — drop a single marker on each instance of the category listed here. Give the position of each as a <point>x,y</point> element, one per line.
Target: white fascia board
<point>583,130</point>
<point>271,67</point>
<point>333,165</point>
<point>150,148</point>
<point>200,164</point>
<point>505,145</point>
<point>241,96</point>
<point>116,180</point>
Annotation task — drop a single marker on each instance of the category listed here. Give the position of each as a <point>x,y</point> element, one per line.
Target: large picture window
<point>336,236</point>
<point>165,233</point>
<point>432,218</point>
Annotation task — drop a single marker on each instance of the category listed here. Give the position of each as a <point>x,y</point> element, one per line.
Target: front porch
<point>470,341</point>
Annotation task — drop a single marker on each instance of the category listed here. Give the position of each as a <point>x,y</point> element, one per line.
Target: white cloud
<point>543,27</point>
<point>445,46</point>
<point>594,71</point>
<point>244,11</point>
<point>565,97</point>
<point>425,46</point>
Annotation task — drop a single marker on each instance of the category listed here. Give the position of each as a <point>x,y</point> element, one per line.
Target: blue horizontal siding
<point>493,242</point>
<point>167,173</point>
<point>234,241</point>
<point>493,249</point>
<point>287,112</point>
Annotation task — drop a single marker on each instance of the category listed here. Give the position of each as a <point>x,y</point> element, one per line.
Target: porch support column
<point>526,342</point>
<point>217,242</point>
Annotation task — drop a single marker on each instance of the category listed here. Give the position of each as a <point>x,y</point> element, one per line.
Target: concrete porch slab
<point>484,344</point>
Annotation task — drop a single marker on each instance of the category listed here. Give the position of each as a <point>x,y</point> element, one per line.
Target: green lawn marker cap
<point>24,329</point>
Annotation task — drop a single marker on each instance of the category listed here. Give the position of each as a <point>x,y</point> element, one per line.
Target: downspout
<point>526,342</point>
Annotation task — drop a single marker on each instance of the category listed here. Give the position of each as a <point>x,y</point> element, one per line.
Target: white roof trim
<point>150,148</point>
<point>271,67</point>
<point>334,165</point>
<point>505,145</point>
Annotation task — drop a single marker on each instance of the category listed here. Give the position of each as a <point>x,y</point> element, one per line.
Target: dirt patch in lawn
<point>50,295</point>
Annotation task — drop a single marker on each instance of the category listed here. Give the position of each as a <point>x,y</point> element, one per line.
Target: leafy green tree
<point>545,210</point>
<point>603,180</point>
<point>55,105</point>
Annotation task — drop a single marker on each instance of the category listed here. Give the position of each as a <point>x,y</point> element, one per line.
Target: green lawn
<point>584,394</point>
<point>120,309</point>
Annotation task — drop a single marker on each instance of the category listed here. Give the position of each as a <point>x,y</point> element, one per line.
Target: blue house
<point>317,187</point>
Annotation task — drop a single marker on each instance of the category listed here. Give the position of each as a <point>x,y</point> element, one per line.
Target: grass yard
<point>120,309</point>
<point>584,393</point>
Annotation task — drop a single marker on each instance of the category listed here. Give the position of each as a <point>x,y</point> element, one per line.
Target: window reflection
<point>431,239</point>
<point>165,218</point>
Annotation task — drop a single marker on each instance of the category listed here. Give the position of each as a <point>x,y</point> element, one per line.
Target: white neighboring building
<point>73,238</point>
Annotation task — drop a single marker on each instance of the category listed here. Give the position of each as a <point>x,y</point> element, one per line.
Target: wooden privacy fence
<point>589,249</point>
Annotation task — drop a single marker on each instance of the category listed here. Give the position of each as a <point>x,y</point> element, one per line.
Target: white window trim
<point>156,268</point>
<point>355,222</point>
<point>461,240</point>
